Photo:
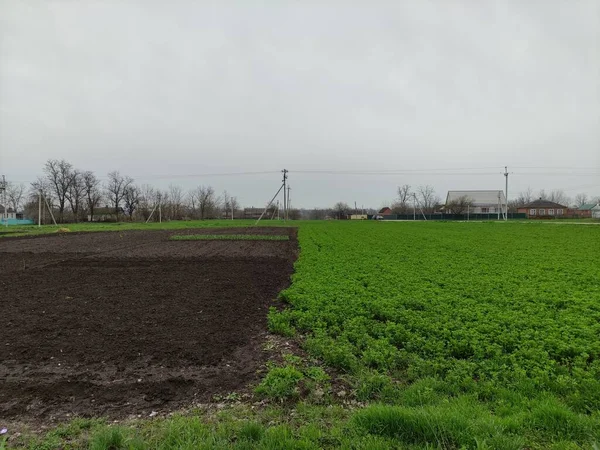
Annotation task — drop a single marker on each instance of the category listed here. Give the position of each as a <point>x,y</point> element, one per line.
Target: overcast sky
<point>168,91</point>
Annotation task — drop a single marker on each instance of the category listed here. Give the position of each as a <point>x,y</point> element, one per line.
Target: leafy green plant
<point>280,383</point>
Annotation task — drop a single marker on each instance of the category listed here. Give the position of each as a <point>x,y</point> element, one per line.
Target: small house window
<point>542,212</point>
<point>485,210</point>
<point>532,212</point>
<point>550,212</point>
<point>559,212</point>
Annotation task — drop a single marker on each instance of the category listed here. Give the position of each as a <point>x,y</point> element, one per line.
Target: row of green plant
<point>229,237</point>
<point>499,315</point>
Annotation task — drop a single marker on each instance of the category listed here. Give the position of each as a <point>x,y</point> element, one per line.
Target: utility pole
<point>232,207</point>
<point>284,194</point>
<point>499,203</point>
<point>159,208</point>
<point>40,209</point>
<point>289,188</point>
<point>3,189</point>
<point>506,191</point>
<point>50,211</point>
<point>414,206</point>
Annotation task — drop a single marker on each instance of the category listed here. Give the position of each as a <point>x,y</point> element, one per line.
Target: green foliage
<point>109,439</point>
<point>507,313</point>
<point>281,383</point>
<point>457,424</point>
<point>280,322</point>
<point>251,431</point>
<point>229,237</point>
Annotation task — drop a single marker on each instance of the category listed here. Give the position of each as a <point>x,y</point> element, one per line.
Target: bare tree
<point>14,195</point>
<point>427,198</point>
<point>229,204</point>
<point>176,202</point>
<point>234,205</point>
<point>459,205</point>
<point>76,193</point>
<point>317,214</point>
<point>341,210</point>
<point>204,200</point>
<point>226,202</point>
<point>294,214</point>
<point>524,197</point>
<point>60,177</point>
<point>581,199</point>
<point>131,199</point>
<point>91,192</point>
<point>148,200</point>
<point>556,196</point>
<point>115,189</point>
<point>402,205</point>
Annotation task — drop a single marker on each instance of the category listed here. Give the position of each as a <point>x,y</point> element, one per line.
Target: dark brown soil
<point>119,324</point>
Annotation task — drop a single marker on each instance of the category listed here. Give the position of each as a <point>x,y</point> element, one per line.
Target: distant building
<point>255,213</point>
<point>11,217</point>
<point>543,209</point>
<point>596,211</point>
<point>7,213</point>
<point>585,210</point>
<point>478,202</point>
<point>385,211</point>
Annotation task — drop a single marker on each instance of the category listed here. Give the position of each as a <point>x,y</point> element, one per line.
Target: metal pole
<point>231,208</point>
<point>284,194</point>
<point>499,203</point>
<point>414,206</point>
<point>269,204</point>
<point>40,209</point>
<point>506,191</point>
<point>3,189</point>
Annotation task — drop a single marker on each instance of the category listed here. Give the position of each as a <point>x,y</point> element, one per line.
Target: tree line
<point>74,195</point>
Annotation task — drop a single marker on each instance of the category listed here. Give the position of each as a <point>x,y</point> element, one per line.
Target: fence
<point>490,216</point>
<point>16,222</point>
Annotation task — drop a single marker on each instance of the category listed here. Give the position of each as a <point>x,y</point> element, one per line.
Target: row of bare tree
<point>76,195</point>
<point>556,196</point>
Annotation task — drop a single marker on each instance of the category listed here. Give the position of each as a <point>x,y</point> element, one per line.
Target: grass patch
<point>229,237</point>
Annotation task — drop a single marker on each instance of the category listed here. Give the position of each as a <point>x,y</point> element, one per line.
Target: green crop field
<point>417,335</point>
